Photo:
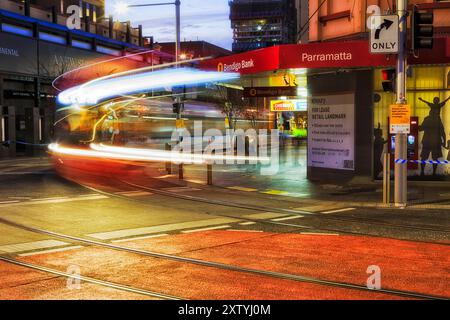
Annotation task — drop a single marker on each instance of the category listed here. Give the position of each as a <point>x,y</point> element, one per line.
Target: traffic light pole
<point>401,170</point>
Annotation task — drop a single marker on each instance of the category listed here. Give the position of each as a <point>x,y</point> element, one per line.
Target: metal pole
<point>401,174</point>
<point>178,44</point>
<point>387,178</point>
<point>178,30</point>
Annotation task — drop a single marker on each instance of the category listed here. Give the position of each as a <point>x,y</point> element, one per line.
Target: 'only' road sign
<point>384,34</point>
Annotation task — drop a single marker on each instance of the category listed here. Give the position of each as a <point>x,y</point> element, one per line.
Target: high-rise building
<point>262,23</point>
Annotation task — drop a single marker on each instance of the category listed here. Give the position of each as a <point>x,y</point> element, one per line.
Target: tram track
<point>300,213</point>
<point>204,263</point>
<point>103,283</point>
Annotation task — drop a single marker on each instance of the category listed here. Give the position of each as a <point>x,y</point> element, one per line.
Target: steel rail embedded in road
<point>277,210</point>
<point>103,283</point>
<point>223,266</point>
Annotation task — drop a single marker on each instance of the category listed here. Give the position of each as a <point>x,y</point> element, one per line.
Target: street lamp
<point>122,7</point>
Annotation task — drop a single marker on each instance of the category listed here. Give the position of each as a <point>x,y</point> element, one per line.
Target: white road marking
<point>248,223</point>
<point>265,215</point>
<point>10,201</point>
<point>140,238</point>
<point>243,189</point>
<point>49,251</point>
<point>136,193</point>
<point>339,210</point>
<point>51,198</point>
<point>118,234</point>
<point>206,229</point>
<point>180,189</point>
<point>29,246</point>
<point>319,234</point>
<point>235,230</point>
<point>288,218</point>
<point>57,200</point>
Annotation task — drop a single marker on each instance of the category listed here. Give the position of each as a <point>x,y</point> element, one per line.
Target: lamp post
<point>123,7</point>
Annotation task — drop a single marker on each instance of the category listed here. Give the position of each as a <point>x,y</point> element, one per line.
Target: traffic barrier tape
<point>403,161</point>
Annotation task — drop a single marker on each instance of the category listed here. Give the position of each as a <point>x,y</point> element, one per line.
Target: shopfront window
<point>429,98</point>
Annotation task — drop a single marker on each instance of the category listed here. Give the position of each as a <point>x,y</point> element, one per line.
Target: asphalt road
<point>263,231</point>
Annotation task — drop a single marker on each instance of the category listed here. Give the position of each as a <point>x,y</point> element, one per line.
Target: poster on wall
<point>331,138</point>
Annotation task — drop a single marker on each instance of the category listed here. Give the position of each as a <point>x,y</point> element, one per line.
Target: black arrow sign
<point>386,24</point>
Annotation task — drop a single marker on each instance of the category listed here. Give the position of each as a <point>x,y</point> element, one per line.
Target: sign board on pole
<point>384,34</point>
<point>288,105</point>
<point>400,115</point>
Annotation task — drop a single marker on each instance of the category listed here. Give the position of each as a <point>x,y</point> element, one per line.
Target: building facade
<point>34,51</point>
<point>193,49</point>
<point>259,24</point>
<point>428,83</point>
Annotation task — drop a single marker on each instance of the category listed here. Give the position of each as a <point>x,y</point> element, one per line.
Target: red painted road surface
<point>404,265</point>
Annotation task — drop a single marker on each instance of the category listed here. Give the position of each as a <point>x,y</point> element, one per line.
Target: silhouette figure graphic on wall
<point>378,146</point>
<point>434,137</point>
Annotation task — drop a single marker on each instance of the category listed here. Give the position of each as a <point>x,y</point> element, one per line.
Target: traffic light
<point>388,77</point>
<point>422,29</point>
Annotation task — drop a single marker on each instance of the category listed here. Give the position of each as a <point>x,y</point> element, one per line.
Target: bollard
<point>180,171</point>
<point>387,178</point>
<point>168,163</point>
<point>209,173</point>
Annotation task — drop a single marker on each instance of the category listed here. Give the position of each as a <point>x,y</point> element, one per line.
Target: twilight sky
<point>200,19</point>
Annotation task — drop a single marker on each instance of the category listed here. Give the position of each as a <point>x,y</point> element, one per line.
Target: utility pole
<point>401,170</point>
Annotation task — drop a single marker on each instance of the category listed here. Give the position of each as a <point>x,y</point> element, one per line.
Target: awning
<point>340,54</point>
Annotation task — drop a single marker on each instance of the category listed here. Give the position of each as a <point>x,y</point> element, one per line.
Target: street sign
<point>270,92</point>
<point>288,105</point>
<point>400,118</point>
<point>384,34</point>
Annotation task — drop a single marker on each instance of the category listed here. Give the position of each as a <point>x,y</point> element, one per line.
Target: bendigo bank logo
<point>235,66</point>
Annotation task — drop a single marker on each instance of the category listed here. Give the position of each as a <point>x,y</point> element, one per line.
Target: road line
<point>62,200</point>
<point>242,189</point>
<point>140,238</point>
<point>180,189</point>
<point>288,218</point>
<point>118,234</point>
<point>29,246</point>
<point>50,198</point>
<point>134,193</point>
<point>206,229</point>
<point>319,234</point>
<point>275,192</point>
<point>264,215</point>
<point>10,201</point>
<point>236,230</point>
<point>49,251</point>
<point>339,210</point>
<point>248,223</point>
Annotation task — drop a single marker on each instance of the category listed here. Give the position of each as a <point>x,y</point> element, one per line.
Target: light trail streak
<point>155,152</point>
<point>160,156</point>
<point>93,92</point>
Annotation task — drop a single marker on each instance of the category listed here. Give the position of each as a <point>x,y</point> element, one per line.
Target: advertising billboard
<point>331,139</point>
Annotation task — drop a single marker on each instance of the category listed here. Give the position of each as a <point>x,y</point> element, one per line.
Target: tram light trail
<point>93,92</point>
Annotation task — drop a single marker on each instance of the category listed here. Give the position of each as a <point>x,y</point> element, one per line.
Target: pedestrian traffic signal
<point>388,77</point>
<point>422,29</point>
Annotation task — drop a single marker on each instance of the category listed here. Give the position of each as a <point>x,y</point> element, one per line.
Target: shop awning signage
<point>288,105</point>
<point>339,54</point>
<point>270,92</point>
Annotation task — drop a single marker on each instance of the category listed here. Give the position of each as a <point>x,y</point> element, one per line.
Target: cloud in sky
<point>200,19</point>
